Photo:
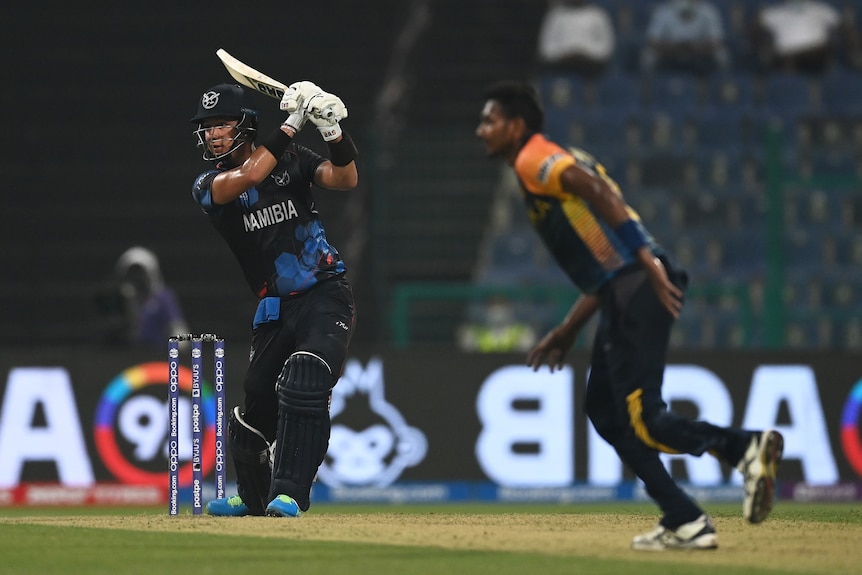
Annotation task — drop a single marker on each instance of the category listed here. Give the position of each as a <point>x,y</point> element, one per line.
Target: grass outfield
<point>590,539</point>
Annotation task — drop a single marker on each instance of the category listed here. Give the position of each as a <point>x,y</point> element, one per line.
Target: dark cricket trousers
<point>623,397</point>
<point>319,321</point>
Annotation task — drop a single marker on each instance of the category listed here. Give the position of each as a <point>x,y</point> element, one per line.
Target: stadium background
<point>99,156</point>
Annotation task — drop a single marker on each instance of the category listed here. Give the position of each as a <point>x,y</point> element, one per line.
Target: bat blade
<point>248,76</point>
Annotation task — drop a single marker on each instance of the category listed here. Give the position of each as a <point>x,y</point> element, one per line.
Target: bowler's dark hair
<point>518,100</point>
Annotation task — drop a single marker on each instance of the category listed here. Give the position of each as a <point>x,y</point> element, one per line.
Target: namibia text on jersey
<point>269,215</point>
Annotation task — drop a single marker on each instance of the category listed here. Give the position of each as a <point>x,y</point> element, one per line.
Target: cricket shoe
<point>283,506</point>
<point>697,534</point>
<point>759,466</point>
<point>228,507</point>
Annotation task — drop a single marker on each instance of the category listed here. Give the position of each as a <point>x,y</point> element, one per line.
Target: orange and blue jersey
<point>584,245</point>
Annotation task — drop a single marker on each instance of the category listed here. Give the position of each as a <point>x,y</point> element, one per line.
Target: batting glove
<point>296,95</point>
<point>325,110</point>
<point>296,120</point>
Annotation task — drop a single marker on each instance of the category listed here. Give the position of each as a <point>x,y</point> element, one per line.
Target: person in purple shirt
<point>147,311</point>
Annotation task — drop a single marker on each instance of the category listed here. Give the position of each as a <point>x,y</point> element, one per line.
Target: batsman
<point>258,196</point>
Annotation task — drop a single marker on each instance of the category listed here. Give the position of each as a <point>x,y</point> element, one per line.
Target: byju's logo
<point>371,444</point>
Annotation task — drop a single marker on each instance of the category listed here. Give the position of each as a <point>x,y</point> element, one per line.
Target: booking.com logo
<point>129,416</point>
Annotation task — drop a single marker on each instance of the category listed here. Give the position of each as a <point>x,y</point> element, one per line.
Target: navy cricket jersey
<point>273,229</point>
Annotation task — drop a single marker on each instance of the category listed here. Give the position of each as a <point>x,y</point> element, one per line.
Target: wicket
<point>196,418</point>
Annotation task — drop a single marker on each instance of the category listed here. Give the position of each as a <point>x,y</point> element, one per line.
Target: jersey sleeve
<point>309,160</point>
<point>539,166</point>
<point>202,191</point>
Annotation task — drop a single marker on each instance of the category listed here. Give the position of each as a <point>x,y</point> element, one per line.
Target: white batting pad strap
<point>238,415</point>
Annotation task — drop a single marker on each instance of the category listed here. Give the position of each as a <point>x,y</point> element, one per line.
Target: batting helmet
<point>226,101</point>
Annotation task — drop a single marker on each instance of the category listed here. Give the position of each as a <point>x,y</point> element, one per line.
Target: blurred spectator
<point>800,35</point>
<point>576,36</point>
<point>498,331</point>
<point>136,306</point>
<point>685,36</point>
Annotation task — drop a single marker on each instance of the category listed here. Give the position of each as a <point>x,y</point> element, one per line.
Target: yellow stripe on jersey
<point>590,231</point>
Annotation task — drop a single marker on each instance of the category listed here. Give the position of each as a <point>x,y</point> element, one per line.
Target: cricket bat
<point>248,76</point>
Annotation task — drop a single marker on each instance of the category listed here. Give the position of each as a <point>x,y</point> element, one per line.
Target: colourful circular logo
<point>121,389</point>
<point>850,430</point>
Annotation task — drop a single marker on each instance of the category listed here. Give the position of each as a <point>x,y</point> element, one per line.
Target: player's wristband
<point>343,151</point>
<point>631,235</point>
<point>277,143</point>
<point>330,133</point>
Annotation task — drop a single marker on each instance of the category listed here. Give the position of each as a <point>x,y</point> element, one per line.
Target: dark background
<point>98,156</point>
<point>98,153</point>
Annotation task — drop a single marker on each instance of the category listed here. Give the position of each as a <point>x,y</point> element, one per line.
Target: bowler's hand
<point>668,294</point>
<point>551,349</point>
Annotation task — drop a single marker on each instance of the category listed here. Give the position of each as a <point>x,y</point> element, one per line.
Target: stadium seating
<point>692,155</point>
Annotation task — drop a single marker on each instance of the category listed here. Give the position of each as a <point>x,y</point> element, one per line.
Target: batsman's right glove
<point>293,101</point>
<point>296,95</point>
